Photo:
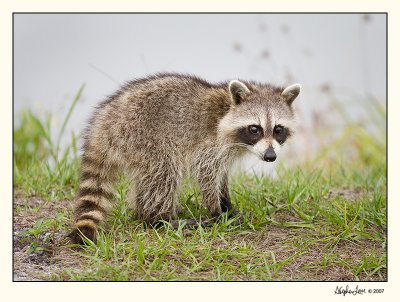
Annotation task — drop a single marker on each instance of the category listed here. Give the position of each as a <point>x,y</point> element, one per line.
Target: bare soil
<point>51,256</point>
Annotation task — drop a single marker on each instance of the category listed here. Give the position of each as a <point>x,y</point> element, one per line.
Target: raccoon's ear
<point>238,91</point>
<point>290,93</point>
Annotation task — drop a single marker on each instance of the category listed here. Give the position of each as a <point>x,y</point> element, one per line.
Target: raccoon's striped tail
<point>92,203</point>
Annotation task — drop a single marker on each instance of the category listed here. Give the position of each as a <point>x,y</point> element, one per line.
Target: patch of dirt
<point>309,264</point>
<point>346,193</point>
<point>37,256</point>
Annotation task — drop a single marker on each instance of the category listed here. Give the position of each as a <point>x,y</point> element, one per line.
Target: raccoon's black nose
<point>270,154</point>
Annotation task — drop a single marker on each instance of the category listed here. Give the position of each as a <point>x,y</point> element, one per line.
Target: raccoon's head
<point>260,118</point>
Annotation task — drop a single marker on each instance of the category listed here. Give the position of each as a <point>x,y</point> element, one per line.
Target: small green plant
<point>42,233</point>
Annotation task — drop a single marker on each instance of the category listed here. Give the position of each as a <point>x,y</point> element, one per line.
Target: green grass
<point>322,220</point>
<point>38,168</point>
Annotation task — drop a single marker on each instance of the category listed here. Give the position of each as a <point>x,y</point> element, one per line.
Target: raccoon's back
<point>167,107</point>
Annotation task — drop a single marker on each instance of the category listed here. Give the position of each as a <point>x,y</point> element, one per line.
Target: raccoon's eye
<point>254,129</point>
<point>281,133</point>
<point>278,129</point>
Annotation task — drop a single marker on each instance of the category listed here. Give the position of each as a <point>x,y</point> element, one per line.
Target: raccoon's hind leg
<point>93,199</point>
<point>155,194</point>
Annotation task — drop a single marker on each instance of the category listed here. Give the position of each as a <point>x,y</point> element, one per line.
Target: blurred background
<point>340,60</point>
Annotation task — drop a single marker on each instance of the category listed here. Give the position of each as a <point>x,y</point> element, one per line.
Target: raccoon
<point>160,129</point>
